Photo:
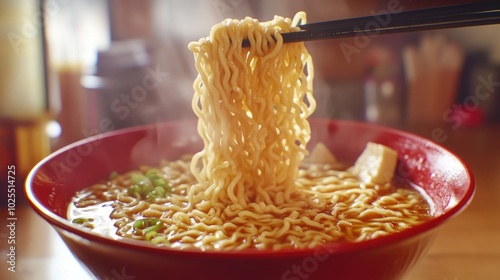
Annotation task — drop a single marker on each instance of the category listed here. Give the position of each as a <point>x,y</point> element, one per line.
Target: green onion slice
<point>147,225</point>
<point>81,221</point>
<point>113,175</point>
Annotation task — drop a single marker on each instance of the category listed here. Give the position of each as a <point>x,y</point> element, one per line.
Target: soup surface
<point>334,205</point>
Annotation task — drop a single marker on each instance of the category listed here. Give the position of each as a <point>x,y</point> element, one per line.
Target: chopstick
<point>454,16</point>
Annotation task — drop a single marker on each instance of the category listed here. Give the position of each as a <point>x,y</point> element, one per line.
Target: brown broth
<point>99,201</point>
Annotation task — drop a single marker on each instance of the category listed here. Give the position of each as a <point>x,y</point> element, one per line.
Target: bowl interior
<point>50,186</point>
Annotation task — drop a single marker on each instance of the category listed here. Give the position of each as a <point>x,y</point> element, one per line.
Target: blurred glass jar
<point>24,112</point>
<point>75,30</point>
<point>383,89</point>
<point>122,89</point>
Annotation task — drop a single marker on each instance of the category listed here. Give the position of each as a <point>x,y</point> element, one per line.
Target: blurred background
<point>71,69</point>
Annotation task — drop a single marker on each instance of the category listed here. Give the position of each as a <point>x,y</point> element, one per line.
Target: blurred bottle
<point>432,69</point>
<point>383,89</point>
<point>24,112</point>
<point>121,90</point>
<point>494,88</point>
<point>479,92</point>
<point>75,31</point>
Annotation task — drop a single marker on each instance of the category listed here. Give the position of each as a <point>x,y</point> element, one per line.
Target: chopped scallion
<point>113,175</point>
<point>160,239</point>
<point>150,185</point>
<point>82,220</point>
<point>150,235</point>
<point>143,226</point>
<point>140,180</point>
<point>134,189</point>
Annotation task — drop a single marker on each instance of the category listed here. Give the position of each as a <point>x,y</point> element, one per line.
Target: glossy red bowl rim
<point>333,248</point>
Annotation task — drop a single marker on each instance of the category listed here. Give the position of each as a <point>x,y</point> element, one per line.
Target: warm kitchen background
<point>100,65</point>
<point>97,51</point>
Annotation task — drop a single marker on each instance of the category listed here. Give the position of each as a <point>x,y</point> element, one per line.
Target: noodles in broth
<point>249,187</point>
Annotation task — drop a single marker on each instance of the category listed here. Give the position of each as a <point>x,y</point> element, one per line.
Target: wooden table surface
<point>467,247</point>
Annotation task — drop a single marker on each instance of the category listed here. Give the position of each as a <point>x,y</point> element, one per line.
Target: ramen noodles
<point>253,184</point>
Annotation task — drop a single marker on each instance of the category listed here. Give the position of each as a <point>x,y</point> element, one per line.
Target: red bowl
<point>446,179</point>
